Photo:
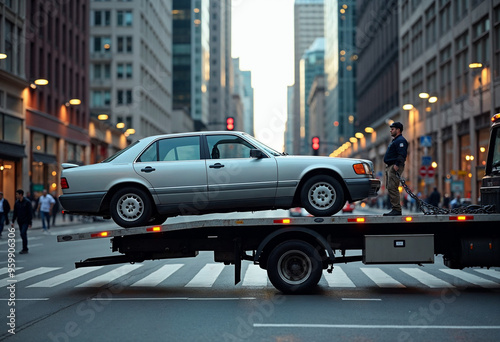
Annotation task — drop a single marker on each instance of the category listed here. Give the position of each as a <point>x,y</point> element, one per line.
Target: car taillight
<point>64,183</point>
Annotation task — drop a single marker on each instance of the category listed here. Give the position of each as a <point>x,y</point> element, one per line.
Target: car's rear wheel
<point>130,207</point>
<point>322,195</point>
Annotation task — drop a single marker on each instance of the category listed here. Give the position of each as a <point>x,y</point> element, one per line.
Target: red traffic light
<point>230,123</point>
<point>315,143</point>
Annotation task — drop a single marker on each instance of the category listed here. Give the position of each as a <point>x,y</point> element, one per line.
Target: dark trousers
<point>24,235</point>
<point>3,218</point>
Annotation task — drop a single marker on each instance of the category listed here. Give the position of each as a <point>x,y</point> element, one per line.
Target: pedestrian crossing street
<point>215,274</point>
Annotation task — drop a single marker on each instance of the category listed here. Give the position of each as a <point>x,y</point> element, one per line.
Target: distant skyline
<point>262,37</point>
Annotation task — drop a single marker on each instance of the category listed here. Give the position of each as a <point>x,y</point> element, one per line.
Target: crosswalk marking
<point>207,276</point>
<point>490,272</point>
<point>65,277</point>
<point>470,278</point>
<point>158,276</point>
<point>425,278</point>
<point>255,276</point>
<point>106,278</point>
<point>338,278</point>
<point>28,274</point>
<point>381,278</point>
<point>4,270</point>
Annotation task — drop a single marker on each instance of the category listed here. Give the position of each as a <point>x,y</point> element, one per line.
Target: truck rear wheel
<point>294,267</point>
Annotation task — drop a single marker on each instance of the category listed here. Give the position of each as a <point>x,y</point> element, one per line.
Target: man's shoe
<point>24,251</point>
<point>393,213</point>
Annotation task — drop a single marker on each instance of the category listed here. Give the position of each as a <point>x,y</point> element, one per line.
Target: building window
<point>124,44</point>
<point>124,97</point>
<point>462,65</point>
<point>406,49</point>
<point>431,79</point>
<point>100,98</point>
<point>101,44</point>
<point>496,47</point>
<point>445,18</point>
<point>445,79</point>
<point>480,45</point>
<point>12,130</point>
<point>461,9</point>
<point>124,18</point>
<point>101,18</point>
<point>430,26</point>
<point>417,39</point>
<point>101,71</point>
<point>124,70</point>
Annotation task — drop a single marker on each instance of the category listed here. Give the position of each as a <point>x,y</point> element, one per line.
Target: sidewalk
<point>60,221</point>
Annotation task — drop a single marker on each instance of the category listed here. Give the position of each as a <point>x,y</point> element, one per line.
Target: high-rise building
<point>242,99</point>
<point>311,65</point>
<point>341,55</point>
<point>14,137</point>
<point>131,64</point>
<point>221,68</point>
<point>191,59</point>
<point>248,100</point>
<point>57,104</point>
<point>308,25</point>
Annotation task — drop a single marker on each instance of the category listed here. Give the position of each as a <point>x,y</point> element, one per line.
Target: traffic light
<point>230,123</point>
<point>315,144</point>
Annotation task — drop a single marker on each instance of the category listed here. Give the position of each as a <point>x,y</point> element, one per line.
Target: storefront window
<point>8,179</point>
<point>37,177</point>
<point>465,164</point>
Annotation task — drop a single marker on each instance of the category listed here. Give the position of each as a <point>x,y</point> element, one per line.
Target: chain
<point>429,209</point>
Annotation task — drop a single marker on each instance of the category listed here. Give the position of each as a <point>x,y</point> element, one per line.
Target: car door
<point>235,180</point>
<point>176,173</point>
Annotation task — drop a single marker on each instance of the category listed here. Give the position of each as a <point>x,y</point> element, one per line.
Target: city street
<point>195,299</point>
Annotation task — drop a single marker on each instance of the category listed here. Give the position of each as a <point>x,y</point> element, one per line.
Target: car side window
<point>173,149</point>
<point>228,146</point>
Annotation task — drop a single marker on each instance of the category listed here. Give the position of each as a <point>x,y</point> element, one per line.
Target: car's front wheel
<point>322,195</point>
<point>130,207</point>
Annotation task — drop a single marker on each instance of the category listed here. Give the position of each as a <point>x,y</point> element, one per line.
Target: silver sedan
<point>207,172</point>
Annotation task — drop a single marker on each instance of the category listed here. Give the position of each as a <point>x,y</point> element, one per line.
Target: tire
<point>130,207</point>
<point>322,195</point>
<point>294,267</point>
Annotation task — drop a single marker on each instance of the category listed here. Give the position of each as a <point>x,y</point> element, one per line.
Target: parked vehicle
<point>206,172</point>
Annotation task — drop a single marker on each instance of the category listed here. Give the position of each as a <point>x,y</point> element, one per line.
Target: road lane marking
<point>367,326</point>
<point>173,298</point>
<point>338,278</point>
<point>65,277</point>
<point>381,278</point>
<point>158,276</point>
<point>471,278</point>
<point>28,274</point>
<point>363,299</point>
<point>426,278</point>
<point>107,278</point>
<point>207,276</point>
<point>255,276</point>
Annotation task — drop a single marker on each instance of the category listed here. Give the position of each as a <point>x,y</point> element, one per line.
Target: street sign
<point>426,160</point>
<point>427,171</point>
<point>425,141</point>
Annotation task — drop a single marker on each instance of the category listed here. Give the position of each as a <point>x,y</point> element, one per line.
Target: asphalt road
<point>196,300</point>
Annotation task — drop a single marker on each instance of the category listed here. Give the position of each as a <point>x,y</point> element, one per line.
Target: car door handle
<point>148,169</point>
<point>216,166</point>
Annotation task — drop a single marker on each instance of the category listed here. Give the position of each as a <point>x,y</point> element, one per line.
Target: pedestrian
<point>23,213</point>
<point>455,203</point>
<point>4,212</point>
<point>394,159</point>
<point>55,209</point>
<point>434,198</point>
<point>45,204</point>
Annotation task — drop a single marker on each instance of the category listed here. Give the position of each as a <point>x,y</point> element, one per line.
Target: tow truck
<point>296,250</point>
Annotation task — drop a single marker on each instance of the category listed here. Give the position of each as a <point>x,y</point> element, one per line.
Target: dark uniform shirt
<point>397,151</point>
<point>23,212</point>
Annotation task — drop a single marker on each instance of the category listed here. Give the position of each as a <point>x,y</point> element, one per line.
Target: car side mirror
<point>254,153</point>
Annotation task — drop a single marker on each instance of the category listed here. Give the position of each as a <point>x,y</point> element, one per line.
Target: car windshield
<point>262,146</point>
<point>107,160</point>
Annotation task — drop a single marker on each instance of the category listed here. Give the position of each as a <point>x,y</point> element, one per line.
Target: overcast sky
<point>262,37</point>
